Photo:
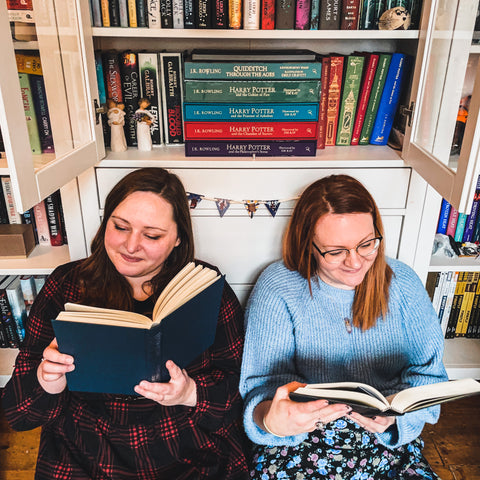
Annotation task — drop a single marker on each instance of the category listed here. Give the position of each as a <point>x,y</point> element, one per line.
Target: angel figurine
<point>144,119</point>
<point>116,120</point>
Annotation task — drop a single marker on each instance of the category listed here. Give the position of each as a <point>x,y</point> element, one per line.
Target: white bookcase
<point>241,246</point>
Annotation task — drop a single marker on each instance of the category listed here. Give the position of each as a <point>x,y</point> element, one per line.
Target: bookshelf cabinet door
<point>445,75</point>
<point>67,59</point>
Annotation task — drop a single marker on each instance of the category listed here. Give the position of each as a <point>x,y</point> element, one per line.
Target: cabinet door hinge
<point>407,112</point>
<point>99,110</point>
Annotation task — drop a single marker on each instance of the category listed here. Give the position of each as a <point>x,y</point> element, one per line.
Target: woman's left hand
<point>180,390</point>
<point>374,424</point>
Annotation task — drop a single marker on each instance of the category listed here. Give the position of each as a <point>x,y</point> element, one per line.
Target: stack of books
<point>251,103</point>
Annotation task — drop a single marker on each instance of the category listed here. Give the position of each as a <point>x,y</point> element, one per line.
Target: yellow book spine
<point>132,13</point>
<point>235,13</point>
<point>105,13</point>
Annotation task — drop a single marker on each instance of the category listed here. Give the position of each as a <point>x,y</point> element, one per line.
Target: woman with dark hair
<point>187,428</point>
<point>336,309</point>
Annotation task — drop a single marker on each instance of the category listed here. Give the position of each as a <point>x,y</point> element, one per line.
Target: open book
<point>114,350</point>
<point>368,401</point>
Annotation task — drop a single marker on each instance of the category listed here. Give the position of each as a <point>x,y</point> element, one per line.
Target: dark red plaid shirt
<point>99,436</point>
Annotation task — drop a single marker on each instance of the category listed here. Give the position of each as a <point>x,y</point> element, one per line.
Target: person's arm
<point>26,404</point>
<point>423,331</point>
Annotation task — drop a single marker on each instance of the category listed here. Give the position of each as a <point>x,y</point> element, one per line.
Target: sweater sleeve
<point>425,338</point>
<point>268,359</point>
<point>25,403</point>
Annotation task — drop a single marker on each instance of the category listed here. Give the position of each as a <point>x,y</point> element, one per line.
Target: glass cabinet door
<point>441,142</point>
<point>63,44</point>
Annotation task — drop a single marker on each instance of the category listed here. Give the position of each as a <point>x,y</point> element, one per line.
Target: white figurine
<point>144,119</point>
<point>116,120</point>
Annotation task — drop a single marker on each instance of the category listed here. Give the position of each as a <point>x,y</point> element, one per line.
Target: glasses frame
<point>379,237</point>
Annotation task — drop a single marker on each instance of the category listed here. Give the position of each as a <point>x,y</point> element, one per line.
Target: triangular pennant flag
<point>194,199</point>
<point>272,206</point>
<point>251,206</point>
<point>222,205</point>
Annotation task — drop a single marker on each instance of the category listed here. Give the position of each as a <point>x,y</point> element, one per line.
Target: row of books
<point>35,103</point>
<point>46,217</point>
<point>258,14</point>
<point>462,227</point>
<point>17,293</point>
<point>455,298</point>
<point>360,97</point>
<point>252,103</point>
<point>128,76</point>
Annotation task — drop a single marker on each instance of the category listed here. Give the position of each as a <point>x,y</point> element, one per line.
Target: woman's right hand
<point>51,371</point>
<point>284,417</point>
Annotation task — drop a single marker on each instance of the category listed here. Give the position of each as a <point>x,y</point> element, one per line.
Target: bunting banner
<point>272,206</point>
<point>251,206</point>
<point>194,199</point>
<point>222,205</point>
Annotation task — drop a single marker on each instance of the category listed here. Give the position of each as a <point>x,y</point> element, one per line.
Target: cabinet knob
<point>406,111</point>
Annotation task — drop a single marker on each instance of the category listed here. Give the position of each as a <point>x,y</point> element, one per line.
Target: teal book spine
<point>349,102</point>
<point>462,220</point>
<point>252,91</point>
<point>253,70</point>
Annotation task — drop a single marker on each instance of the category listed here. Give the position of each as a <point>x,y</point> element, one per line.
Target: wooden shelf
<point>255,34</point>
<point>462,357</point>
<point>459,264</point>
<point>40,262</point>
<point>367,156</point>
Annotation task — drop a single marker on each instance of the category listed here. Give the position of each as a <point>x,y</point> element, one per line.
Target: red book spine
<point>365,90</point>
<point>250,130</point>
<point>334,95</point>
<point>268,15</point>
<point>19,4</point>
<point>350,15</point>
<point>322,113</point>
<point>113,81</point>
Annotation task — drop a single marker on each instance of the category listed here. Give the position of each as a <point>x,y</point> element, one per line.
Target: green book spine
<point>375,96</point>
<point>30,115</point>
<point>254,70</point>
<point>348,105</point>
<point>250,91</point>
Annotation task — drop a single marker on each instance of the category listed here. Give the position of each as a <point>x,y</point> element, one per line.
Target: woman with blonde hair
<point>337,309</point>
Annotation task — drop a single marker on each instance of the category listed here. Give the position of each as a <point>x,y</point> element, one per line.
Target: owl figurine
<point>397,18</point>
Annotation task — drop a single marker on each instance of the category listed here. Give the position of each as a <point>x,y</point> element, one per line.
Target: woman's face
<point>140,235</point>
<point>334,231</point>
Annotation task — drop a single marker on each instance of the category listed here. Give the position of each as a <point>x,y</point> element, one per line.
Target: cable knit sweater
<point>292,335</point>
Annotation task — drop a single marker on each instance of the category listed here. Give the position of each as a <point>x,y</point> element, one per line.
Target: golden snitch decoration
<point>397,18</point>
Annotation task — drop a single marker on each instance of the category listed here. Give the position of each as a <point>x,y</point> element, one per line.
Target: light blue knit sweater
<point>291,335</point>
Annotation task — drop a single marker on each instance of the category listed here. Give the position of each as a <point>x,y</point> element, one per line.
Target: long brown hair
<point>339,194</point>
<point>101,284</point>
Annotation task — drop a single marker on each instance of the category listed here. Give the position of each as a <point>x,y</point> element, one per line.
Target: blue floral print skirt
<point>339,452</point>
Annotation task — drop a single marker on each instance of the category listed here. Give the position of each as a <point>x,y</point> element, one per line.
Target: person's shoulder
<point>65,269</point>
<point>400,269</point>
<point>278,275</point>
<point>405,278</point>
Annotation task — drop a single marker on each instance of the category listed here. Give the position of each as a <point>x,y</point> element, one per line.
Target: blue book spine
<point>472,218</point>
<point>443,217</point>
<point>100,79</point>
<point>314,14</point>
<point>462,220</point>
<point>389,100</point>
<point>253,111</point>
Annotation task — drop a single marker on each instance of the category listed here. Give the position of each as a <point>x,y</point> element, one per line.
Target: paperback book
<point>368,401</point>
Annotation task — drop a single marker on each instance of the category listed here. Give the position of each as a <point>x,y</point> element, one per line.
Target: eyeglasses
<point>364,249</point>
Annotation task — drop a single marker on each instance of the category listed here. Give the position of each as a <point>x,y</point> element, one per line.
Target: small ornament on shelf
<point>116,121</point>
<point>397,18</point>
<point>144,119</point>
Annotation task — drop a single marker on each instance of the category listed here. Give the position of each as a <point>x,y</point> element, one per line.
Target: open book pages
<point>188,283</point>
<point>410,399</point>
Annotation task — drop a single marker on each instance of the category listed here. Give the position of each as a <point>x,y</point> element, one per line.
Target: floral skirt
<point>341,451</point>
